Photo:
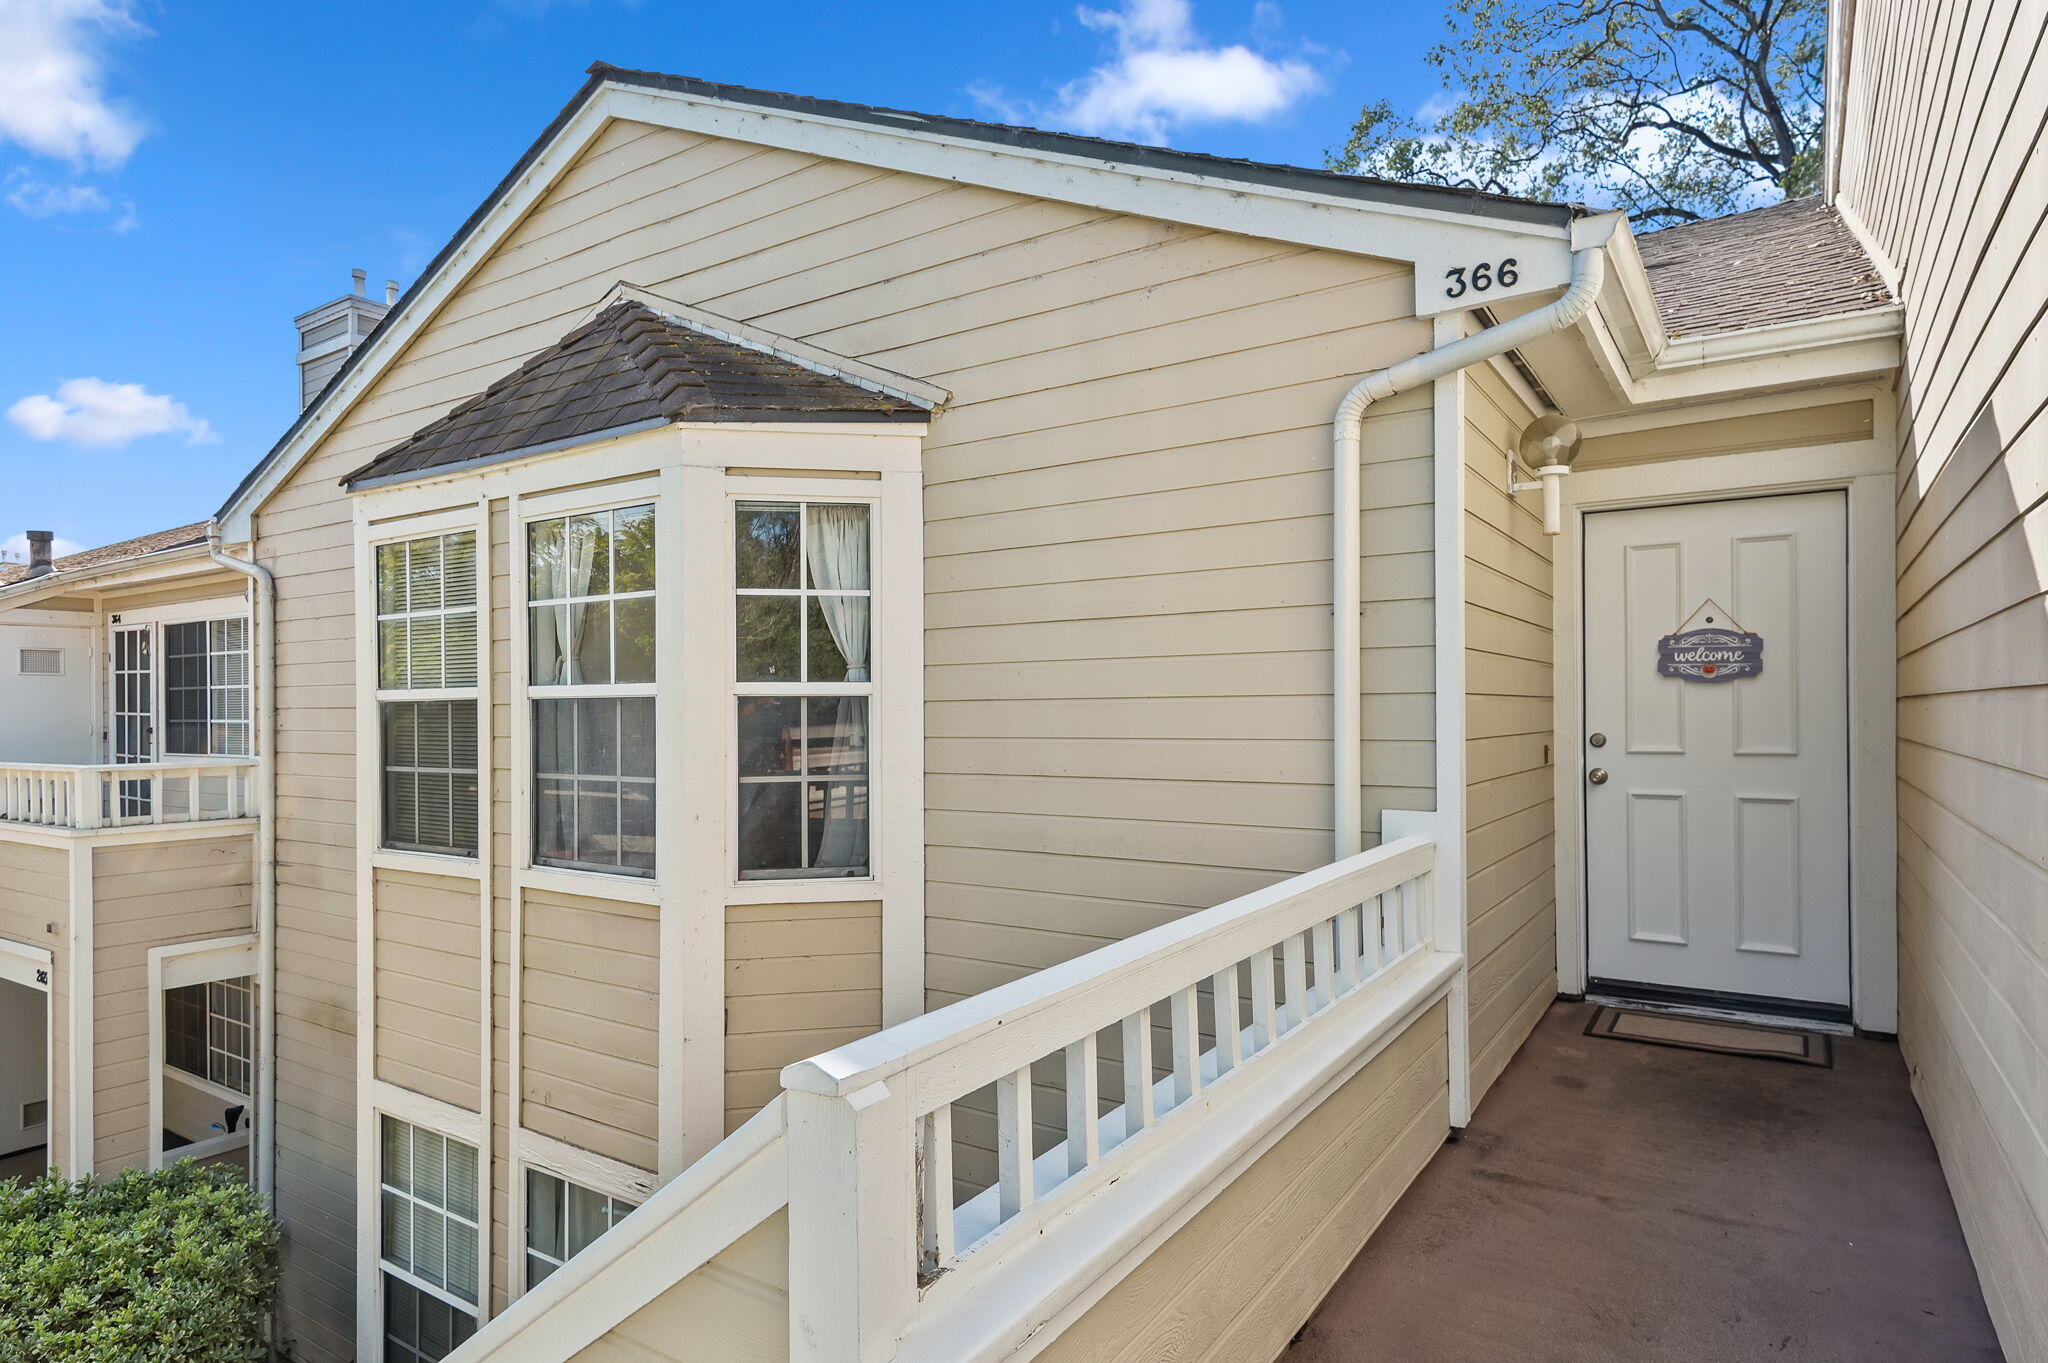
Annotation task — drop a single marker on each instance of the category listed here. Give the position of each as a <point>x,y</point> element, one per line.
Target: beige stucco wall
<point>1126,575</point>
<point>1510,886</point>
<point>1237,1281</point>
<point>1952,188</point>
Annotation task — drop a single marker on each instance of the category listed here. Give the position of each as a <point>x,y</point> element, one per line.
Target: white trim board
<point>1862,469</point>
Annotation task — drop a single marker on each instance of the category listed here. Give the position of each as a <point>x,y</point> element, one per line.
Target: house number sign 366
<point>1481,277</point>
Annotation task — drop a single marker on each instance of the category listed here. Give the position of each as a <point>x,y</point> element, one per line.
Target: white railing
<point>118,795</point>
<point>896,1249</point>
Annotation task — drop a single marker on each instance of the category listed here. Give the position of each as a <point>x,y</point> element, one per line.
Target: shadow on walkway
<point>1619,1201</point>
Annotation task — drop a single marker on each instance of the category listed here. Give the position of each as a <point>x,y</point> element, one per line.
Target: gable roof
<point>630,368</point>
<point>1790,262</point>
<point>1282,202</point>
<point>178,537</point>
<point>1266,174</point>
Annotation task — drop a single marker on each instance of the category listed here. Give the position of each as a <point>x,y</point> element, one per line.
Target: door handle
<point>1598,776</point>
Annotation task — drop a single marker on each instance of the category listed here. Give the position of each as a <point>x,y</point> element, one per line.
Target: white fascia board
<point>120,572</point>
<point>1844,348</point>
<point>1432,240</point>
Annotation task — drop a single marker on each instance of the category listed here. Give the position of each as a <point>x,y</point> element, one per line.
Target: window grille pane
<point>431,781</point>
<point>771,827</point>
<point>766,545</point>
<point>593,783</point>
<point>426,603</point>
<point>544,1214</point>
<point>767,644</point>
<point>578,635</point>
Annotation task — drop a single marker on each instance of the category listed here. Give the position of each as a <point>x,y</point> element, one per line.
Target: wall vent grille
<point>38,1112</point>
<point>42,662</point>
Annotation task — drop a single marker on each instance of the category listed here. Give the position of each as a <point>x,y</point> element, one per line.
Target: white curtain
<point>837,548</point>
<point>579,549</point>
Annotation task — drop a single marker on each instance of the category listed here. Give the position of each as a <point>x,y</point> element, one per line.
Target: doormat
<point>1704,1034</point>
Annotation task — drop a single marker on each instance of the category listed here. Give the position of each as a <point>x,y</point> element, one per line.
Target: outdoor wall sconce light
<point>1547,447</point>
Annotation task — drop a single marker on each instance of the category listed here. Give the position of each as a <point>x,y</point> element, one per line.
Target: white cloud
<point>38,198</point>
<point>15,548</point>
<point>98,414</point>
<point>1163,75</point>
<point>51,66</point>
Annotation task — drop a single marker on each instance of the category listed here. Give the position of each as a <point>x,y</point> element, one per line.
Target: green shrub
<point>174,1266</point>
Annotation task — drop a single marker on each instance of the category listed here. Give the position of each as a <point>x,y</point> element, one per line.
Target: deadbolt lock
<point>1597,740</point>
<point>1598,776</point>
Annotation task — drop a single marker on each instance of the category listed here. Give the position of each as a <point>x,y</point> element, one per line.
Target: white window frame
<point>383,1100</point>
<point>153,619</point>
<point>533,1150</point>
<point>804,493</point>
<point>528,512</point>
<point>175,967</point>
<point>436,527</point>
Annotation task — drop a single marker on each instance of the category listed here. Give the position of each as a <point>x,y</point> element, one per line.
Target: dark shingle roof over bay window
<point>1791,262</point>
<point>630,368</point>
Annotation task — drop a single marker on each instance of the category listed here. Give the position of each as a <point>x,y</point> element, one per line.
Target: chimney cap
<point>361,278</point>
<point>390,292</point>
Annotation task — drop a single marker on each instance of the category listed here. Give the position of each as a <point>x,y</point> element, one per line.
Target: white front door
<point>1717,760</point>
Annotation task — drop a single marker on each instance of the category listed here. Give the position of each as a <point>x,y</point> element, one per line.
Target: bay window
<point>427,692</point>
<point>591,677</point>
<point>804,688</point>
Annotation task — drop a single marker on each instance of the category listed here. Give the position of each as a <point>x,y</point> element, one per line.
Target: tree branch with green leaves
<point>1672,112</point>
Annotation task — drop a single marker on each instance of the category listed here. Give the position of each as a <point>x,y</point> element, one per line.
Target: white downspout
<point>264,1141</point>
<point>1589,269</point>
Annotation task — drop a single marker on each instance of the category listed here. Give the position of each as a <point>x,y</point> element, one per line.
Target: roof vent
<point>328,333</point>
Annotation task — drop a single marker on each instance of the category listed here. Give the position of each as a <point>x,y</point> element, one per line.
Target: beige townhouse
<point>874,736</point>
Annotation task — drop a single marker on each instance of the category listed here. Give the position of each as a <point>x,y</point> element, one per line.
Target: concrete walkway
<point>1618,1201</point>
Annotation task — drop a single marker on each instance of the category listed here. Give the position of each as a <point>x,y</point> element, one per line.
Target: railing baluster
<point>1265,1015</point>
<point>1347,950</point>
<point>1375,934</point>
<point>1137,1056</point>
<point>1294,968</point>
<point>1223,992</point>
<point>1187,1044</point>
<point>1084,1128</point>
<point>1323,951</point>
<point>1013,1142</point>
<point>935,1210</point>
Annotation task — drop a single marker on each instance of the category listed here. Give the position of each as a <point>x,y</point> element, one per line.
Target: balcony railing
<point>183,790</point>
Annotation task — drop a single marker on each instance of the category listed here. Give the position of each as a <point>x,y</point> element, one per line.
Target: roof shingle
<point>1790,262</point>
<point>630,366</point>
<point>175,538</point>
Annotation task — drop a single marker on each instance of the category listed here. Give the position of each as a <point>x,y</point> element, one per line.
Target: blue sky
<point>178,180</point>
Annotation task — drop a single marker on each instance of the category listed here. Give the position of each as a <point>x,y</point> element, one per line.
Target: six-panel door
<point>1717,841</point>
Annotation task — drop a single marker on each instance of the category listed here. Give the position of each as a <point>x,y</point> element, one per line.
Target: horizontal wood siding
<point>735,1309</point>
<point>591,988</point>
<point>1127,583</point>
<point>149,895</point>
<point>1237,1281</point>
<point>429,1014</point>
<point>1944,165</point>
<point>800,979</point>
<point>35,911</point>
<point>1510,867</point>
